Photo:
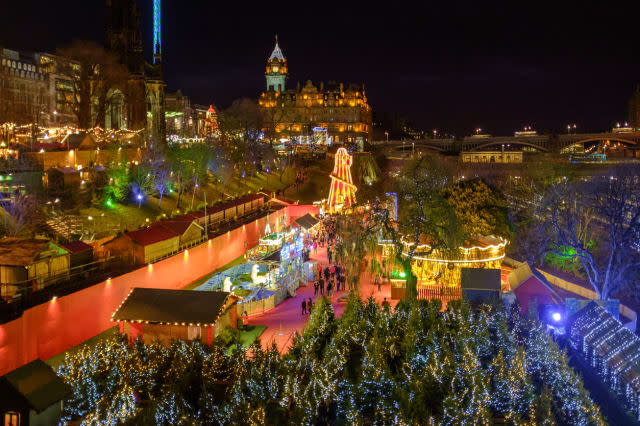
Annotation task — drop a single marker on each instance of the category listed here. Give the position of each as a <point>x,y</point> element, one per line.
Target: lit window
<point>12,418</point>
<point>194,332</point>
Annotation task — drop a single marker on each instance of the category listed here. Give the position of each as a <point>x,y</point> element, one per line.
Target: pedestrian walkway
<point>286,318</point>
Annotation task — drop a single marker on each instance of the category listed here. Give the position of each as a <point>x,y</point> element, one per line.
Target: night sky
<point>455,67</point>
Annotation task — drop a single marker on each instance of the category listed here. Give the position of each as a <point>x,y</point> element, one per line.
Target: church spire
<point>276,69</point>
<point>277,53</point>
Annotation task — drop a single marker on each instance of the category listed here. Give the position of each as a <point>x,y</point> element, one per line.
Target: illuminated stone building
<point>205,120</point>
<point>143,105</point>
<point>340,111</point>
<point>178,115</point>
<point>24,88</point>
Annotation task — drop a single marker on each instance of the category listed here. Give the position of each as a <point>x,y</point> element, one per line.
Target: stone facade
<point>340,112</point>
<point>24,89</point>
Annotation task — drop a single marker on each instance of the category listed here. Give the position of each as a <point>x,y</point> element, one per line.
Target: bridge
<point>539,143</point>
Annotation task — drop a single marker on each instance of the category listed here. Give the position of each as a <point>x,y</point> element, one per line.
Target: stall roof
<point>77,247</point>
<point>177,226</point>
<point>24,251</point>
<point>307,221</point>
<point>151,235</point>
<point>172,306</point>
<point>480,279</point>
<point>38,384</point>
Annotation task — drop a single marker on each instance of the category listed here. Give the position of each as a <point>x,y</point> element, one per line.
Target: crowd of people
<point>330,278</point>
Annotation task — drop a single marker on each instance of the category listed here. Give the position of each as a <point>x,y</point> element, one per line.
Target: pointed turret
<point>277,53</point>
<point>276,74</point>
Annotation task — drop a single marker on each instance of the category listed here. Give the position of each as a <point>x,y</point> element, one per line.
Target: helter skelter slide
<point>342,194</point>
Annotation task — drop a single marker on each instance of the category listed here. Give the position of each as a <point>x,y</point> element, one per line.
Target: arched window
<point>12,418</point>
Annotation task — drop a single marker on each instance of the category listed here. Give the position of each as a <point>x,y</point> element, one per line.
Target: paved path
<point>286,318</point>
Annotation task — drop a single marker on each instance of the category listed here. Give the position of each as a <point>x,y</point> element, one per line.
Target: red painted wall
<point>532,289</point>
<point>296,211</point>
<point>51,328</point>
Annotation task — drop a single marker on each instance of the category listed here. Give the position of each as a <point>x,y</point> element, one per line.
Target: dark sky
<point>448,65</point>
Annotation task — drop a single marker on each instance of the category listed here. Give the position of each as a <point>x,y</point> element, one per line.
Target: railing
<point>75,279</point>
<point>444,293</point>
<point>84,276</point>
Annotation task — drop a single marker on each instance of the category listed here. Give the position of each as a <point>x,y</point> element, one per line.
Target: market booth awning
<point>162,306</point>
<point>308,221</point>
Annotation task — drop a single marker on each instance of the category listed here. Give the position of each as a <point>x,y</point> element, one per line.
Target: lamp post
<point>139,197</point>
<point>194,194</point>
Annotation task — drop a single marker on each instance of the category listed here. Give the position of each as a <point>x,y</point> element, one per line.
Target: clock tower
<point>276,70</point>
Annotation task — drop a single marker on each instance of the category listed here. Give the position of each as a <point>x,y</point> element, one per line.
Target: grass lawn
<point>317,186</point>
<point>249,335</point>
<point>202,280</point>
<point>57,360</point>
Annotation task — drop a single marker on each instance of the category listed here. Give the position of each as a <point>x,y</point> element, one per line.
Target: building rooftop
<point>172,306</point>
<point>151,235</point>
<point>178,227</point>
<point>277,53</point>
<point>38,384</point>
<point>523,272</point>
<point>307,221</point>
<point>64,170</point>
<point>480,279</point>
<point>77,247</point>
<point>24,251</point>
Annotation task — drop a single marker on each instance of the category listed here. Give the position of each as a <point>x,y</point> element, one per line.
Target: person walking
<point>321,286</point>
<point>315,288</point>
<point>309,305</point>
<point>379,283</point>
<point>327,273</point>
<point>304,306</point>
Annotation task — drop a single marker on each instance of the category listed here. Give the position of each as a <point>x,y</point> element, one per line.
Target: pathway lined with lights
<point>286,318</point>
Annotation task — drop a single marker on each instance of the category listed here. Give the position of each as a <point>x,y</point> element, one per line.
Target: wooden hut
<point>151,314</point>
<point>80,253</point>
<point>32,262</point>
<point>32,395</point>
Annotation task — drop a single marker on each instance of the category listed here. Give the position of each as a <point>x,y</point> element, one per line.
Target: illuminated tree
<point>415,365</point>
<point>604,209</point>
<point>480,209</point>
<point>117,187</point>
<point>20,213</point>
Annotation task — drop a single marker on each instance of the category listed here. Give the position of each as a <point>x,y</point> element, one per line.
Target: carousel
<point>444,268</point>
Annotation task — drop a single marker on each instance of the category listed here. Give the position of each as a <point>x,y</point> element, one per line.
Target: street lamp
<point>139,200</point>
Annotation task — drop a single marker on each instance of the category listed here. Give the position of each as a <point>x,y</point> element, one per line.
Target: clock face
<point>275,69</point>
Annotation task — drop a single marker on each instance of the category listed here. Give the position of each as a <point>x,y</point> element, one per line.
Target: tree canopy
<point>415,365</point>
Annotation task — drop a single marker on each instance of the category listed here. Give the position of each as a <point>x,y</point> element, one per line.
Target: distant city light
<point>556,316</point>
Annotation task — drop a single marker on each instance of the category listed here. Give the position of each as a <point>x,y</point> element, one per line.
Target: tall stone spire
<point>276,73</point>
